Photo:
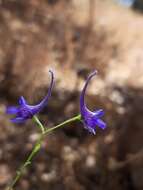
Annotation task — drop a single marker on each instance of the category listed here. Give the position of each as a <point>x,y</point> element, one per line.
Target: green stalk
<point>19,172</point>
<point>39,124</point>
<point>37,146</point>
<point>76,118</point>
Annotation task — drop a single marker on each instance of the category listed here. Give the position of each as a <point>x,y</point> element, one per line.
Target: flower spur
<point>89,118</point>
<point>25,111</point>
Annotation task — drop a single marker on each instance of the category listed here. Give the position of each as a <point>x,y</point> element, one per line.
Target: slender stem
<point>19,172</point>
<point>76,118</point>
<point>37,146</point>
<point>39,124</point>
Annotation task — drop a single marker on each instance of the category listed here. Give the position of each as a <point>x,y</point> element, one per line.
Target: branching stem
<point>37,146</point>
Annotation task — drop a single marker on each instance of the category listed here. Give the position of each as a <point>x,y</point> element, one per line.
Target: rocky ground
<point>73,38</point>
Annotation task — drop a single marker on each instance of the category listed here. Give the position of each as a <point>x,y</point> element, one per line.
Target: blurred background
<point>73,37</point>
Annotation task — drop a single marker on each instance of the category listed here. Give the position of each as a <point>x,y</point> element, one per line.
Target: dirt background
<point>73,38</point>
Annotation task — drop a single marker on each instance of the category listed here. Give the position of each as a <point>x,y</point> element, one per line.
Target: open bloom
<point>25,111</point>
<point>90,119</point>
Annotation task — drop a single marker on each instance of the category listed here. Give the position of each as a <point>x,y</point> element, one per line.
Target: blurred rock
<point>4,174</point>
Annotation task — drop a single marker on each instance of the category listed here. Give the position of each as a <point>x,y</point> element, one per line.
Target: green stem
<point>76,118</point>
<point>39,124</point>
<point>37,146</point>
<point>19,172</point>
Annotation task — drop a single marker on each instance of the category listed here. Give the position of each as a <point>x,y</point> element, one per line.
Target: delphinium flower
<point>25,111</point>
<point>89,118</point>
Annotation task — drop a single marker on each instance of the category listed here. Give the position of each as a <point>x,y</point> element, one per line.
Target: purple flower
<point>89,118</point>
<point>25,111</point>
